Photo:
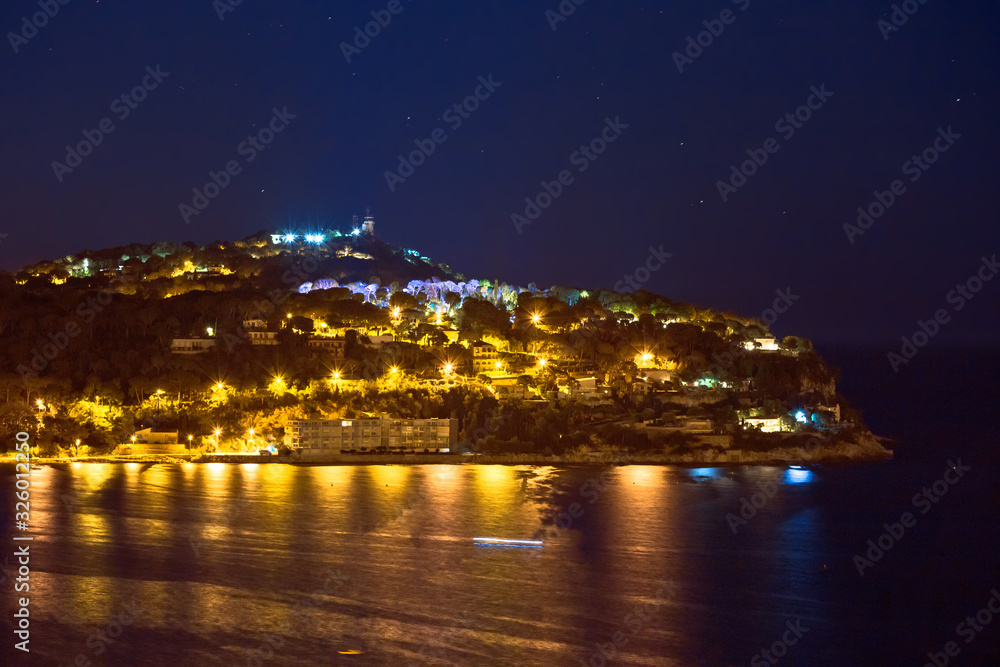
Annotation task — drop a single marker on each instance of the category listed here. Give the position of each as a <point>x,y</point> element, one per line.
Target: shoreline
<point>601,459</point>
<point>864,448</point>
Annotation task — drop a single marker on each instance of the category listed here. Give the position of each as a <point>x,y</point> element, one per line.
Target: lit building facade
<point>257,333</point>
<point>766,344</point>
<point>765,424</point>
<point>336,436</point>
<point>484,357</point>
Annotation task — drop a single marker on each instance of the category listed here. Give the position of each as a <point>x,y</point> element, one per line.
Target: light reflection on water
<point>220,555</point>
<point>798,476</point>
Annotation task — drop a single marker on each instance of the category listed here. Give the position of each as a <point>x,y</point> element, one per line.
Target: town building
<point>451,336</point>
<point>658,374</point>
<point>832,410</point>
<point>352,436</point>
<point>765,424</point>
<point>585,387</point>
<point>263,337</point>
<point>334,346</point>
<point>767,344</point>
<point>507,386</point>
<point>380,340</point>
<point>257,333</point>
<point>148,436</point>
<point>196,345</point>
<point>484,357</point>
<point>695,425</point>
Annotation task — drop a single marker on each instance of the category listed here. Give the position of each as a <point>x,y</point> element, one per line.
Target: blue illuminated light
<point>798,476</point>
<point>355,232</point>
<point>290,238</point>
<point>314,238</point>
<point>801,417</point>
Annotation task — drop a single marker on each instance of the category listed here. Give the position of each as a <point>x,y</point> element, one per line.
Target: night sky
<point>555,91</point>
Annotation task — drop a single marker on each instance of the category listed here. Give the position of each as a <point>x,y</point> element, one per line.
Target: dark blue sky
<point>655,185</point>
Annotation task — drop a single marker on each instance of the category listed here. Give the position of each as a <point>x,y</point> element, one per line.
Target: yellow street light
<point>220,386</point>
<point>336,375</point>
<point>218,432</point>
<point>542,362</point>
<point>393,370</point>
<point>448,368</point>
<point>536,318</point>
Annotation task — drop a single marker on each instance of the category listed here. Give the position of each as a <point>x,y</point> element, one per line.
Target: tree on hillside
<point>452,299</point>
<point>479,316</point>
<point>402,300</point>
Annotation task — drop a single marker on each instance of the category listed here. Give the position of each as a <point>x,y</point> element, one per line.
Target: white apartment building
<point>335,436</point>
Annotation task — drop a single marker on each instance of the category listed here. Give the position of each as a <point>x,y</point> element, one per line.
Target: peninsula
<point>325,345</point>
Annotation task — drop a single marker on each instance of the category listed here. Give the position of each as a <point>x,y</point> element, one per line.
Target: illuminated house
<point>215,270</point>
<point>336,436</point>
<point>767,344</point>
<point>765,424</point>
<point>257,333</point>
<point>484,357</point>
<point>585,387</point>
<point>507,386</point>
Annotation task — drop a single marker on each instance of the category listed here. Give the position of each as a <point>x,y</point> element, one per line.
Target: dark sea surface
<point>945,400</point>
<point>270,564</point>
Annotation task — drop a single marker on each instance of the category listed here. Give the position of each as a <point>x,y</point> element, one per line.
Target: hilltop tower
<point>369,225</point>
